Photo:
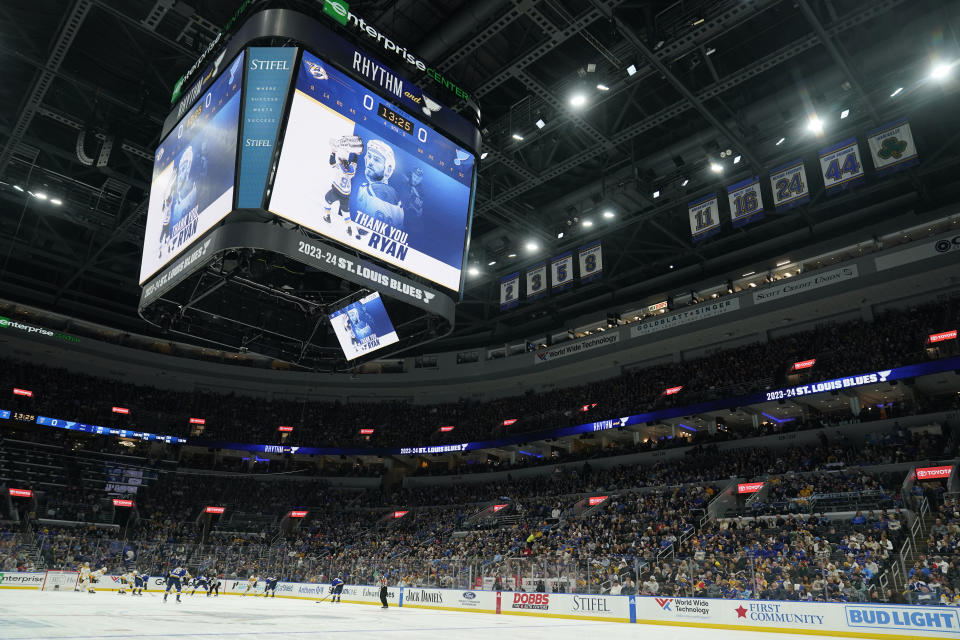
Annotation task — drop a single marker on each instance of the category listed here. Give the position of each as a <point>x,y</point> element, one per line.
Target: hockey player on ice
<point>201,582</point>
<point>126,580</point>
<point>214,587</point>
<point>139,583</point>
<point>84,582</point>
<point>95,577</point>
<point>251,584</point>
<point>376,197</point>
<point>336,588</point>
<point>270,590</point>
<point>174,580</point>
<point>343,160</point>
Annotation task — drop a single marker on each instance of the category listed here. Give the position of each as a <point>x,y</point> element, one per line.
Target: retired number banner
<point>561,271</point>
<point>510,291</point>
<point>704,217</point>
<point>789,185</point>
<point>591,261</point>
<point>537,280</point>
<point>840,165</point>
<point>746,202</point>
<point>892,148</point>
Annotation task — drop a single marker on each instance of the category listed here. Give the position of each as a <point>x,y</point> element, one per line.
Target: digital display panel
<point>363,326</point>
<point>373,177</point>
<point>193,173</point>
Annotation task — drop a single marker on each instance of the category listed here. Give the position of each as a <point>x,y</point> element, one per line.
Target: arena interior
<point>433,318</point>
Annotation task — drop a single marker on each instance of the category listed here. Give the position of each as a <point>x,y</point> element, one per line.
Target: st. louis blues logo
<point>892,148</point>
<point>316,71</point>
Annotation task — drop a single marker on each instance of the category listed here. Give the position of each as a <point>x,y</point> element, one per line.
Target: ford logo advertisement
<point>469,595</point>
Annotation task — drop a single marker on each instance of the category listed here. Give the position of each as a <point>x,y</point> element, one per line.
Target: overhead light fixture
<point>559,235</point>
<point>698,21</point>
<point>517,136</point>
<point>491,263</point>
<point>18,188</point>
<point>940,71</point>
<point>632,69</point>
<point>736,160</point>
<point>39,195</point>
<point>602,87</point>
<point>532,246</point>
<point>656,194</point>
<point>473,271</point>
<point>815,125</point>
<point>710,51</point>
<point>783,263</point>
<point>844,114</point>
<point>749,273</point>
<point>578,100</point>
<point>512,255</point>
<point>896,92</point>
<point>781,141</point>
<point>540,123</point>
<point>56,201</point>
<point>685,182</point>
<point>483,156</point>
<point>671,266</point>
<point>716,168</point>
<point>587,223</point>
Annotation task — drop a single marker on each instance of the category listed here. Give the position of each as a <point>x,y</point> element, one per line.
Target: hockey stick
<point>323,598</point>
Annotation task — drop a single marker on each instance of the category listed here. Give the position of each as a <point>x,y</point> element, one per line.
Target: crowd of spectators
<point>894,338</point>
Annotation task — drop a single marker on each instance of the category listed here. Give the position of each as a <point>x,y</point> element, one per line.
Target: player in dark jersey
<point>270,590</point>
<point>174,580</point>
<point>336,588</point>
<point>201,582</point>
<point>140,582</point>
<point>214,587</point>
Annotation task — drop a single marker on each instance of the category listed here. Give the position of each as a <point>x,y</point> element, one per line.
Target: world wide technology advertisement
<point>370,176</point>
<point>193,173</point>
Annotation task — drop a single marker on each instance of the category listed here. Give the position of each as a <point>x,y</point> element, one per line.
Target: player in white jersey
<point>251,584</point>
<point>84,582</point>
<point>343,161</point>
<point>92,577</point>
<point>126,580</point>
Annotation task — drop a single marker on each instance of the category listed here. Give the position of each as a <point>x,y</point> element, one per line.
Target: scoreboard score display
<point>350,159</point>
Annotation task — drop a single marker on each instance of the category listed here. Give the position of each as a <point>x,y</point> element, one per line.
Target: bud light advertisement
<point>363,326</point>
<point>364,173</point>
<point>193,173</point>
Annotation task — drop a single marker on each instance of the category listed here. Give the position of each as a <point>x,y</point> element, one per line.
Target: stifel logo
<point>664,603</point>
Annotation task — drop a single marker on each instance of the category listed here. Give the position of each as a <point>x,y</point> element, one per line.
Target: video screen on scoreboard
<point>363,326</point>
<point>365,173</point>
<point>193,173</point>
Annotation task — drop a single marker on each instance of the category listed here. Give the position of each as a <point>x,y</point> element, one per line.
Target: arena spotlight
<point>491,263</point>
<point>40,195</point>
<point>532,246</point>
<point>815,125</point>
<point>632,69</point>
<point>781,141</point>
<point>587,223</point>
<point>608,214</point>
<point>896,92</point>
<point>473,271</point>
<point>18,188</point>
<point>578,100</point>
<point>483,156</point>
<point>940,71</point>
<point>716,168</point>
<point>540,123</point>
<point>685,182</point>
<point>602,87</point>
<point>656,194</point>
<point>517,136</point>
<point>844,114</point>
<point>559,235</point>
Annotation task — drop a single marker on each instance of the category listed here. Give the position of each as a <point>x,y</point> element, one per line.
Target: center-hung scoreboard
<point>292,150</point>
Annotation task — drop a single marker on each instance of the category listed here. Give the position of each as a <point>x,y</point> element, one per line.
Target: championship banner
<point>510,291</point>
<point>537,280</point>
<point>746,202</point>
<point>840,165</point>
<point>892,148</point>
<point>591,261</point>
<point>704,217</point>
<point>789,185</point>
<point>561,271</point>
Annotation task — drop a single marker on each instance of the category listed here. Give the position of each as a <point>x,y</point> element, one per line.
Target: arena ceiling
<point>668,88</point>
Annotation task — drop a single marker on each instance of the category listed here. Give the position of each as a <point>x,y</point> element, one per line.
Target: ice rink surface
<point>25,615</point>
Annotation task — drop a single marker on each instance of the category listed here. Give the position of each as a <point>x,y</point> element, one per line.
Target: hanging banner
<point>561,271</point>
<point>746,202</point>
<point>892,148</point>
<point>537,280</point>
<point>510,291</point>
<point>704,217</point>
<point>840,165</point>
<point>789,185</point>
<point>591,261</point>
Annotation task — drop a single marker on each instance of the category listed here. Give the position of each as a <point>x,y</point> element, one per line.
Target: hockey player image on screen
<point>363,326</point>
<point>376,198</point>
<point>357,325</point>
<point>344,152</point>
<point>180,215</point>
